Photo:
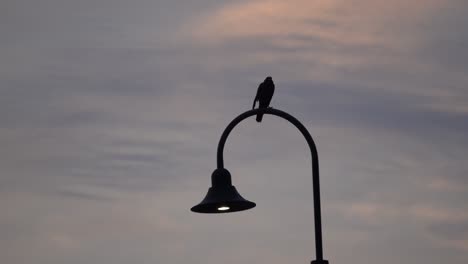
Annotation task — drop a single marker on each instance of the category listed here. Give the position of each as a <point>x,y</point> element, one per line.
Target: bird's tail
<point>259,118</point>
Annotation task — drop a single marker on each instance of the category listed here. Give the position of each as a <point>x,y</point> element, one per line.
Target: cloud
<point>372,46</point>
<point>110,114</point>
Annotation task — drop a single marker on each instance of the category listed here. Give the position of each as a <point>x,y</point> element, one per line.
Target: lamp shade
<point>222,196</point>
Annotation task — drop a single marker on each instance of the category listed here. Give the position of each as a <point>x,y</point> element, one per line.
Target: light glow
<point>223,208</point>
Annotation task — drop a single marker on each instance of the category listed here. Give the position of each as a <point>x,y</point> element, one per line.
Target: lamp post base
<point>319,261</point>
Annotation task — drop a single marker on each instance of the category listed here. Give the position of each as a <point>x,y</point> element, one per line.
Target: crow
<point>264,94</point>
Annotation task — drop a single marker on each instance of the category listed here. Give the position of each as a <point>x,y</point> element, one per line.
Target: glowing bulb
<point>223,208</point>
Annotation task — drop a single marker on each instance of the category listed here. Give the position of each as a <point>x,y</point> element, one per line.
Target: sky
<point>111,111</point>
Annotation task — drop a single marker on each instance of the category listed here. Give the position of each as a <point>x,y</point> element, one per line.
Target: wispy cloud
<point>110,113</point>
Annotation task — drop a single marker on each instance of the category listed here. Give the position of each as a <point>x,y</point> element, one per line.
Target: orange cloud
<point>356,22</point>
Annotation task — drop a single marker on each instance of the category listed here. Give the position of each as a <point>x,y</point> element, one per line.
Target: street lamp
<point>223,197</point>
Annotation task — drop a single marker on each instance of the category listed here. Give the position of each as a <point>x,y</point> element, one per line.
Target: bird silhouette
<point>264,94</point>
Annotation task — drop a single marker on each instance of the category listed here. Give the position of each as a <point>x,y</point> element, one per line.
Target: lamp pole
<point>221,174</point>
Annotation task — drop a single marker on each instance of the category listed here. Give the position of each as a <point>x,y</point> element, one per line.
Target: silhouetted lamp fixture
<point>222,196</point>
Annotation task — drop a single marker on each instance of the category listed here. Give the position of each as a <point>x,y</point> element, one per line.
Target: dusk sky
<point>111,112</point>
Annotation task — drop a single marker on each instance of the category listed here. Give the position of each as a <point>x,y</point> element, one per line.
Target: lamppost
<point>223,197</point>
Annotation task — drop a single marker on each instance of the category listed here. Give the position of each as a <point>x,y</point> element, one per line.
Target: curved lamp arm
<point>315,166</point>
